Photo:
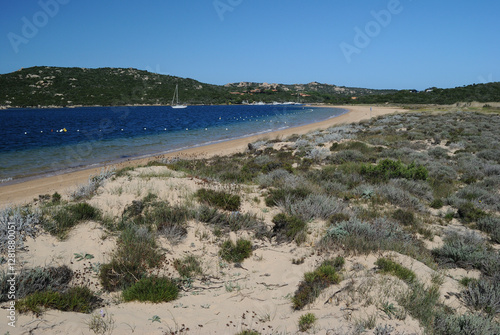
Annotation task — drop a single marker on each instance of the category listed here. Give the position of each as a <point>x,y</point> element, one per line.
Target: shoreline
<point>25,191</point>
<point>155,153</point>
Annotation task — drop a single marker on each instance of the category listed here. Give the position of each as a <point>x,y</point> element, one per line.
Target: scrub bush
<point>153,289</point>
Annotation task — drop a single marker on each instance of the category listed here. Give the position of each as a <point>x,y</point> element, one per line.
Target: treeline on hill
<point>56,86</point>
<point>477,92</point>
<point>47,86</point>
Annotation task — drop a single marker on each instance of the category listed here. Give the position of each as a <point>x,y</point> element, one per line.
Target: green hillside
<point>57,86</point>
<point>477,92</point>
<point>104,86</point>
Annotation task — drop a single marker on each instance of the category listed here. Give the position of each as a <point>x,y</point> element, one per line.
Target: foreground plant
<point>66,217</point>
<point>314,282</point>
<point>25,221</point>
<point>236,253</point>
<point>188,266</point>
<point>101,323</point>
<point>219,199</point>
<point>136,252</point>
<point>289,228</point>
<point>389,266</point>
<point>76,299</point>
<point>153,289</point>
<point>29,281</point>
<point>306,321</point>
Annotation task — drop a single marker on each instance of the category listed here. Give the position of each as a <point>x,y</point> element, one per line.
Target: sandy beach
<point>23,192</point>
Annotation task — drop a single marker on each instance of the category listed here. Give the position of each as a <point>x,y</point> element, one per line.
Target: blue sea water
<point>42,141</point>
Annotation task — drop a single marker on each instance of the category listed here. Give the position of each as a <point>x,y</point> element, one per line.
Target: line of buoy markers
<point>64,130</point>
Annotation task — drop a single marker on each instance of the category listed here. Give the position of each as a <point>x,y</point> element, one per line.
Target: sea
<point>47,141</point>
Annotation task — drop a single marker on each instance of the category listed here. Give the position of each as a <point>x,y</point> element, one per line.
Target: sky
<point>393,44</point>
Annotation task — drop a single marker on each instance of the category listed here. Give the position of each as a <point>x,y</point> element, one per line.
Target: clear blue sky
<point>422,43</point>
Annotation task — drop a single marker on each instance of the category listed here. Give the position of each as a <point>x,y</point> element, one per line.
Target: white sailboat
<point>176,99</point>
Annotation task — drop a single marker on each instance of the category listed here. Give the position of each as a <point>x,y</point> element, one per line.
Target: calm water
<point>40,141</point>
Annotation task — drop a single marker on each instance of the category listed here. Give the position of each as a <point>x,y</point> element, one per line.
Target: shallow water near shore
<point>43,141</point>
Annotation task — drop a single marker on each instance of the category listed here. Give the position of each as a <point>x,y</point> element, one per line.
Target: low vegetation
<point>313,283</point>
<point>75,299</point>
<point>29,281</point>
<point>389,169</point>
<point>386,265</point>
<point>307,321</point>
<point>66,217</point>
<point>136,252</point>
<point>219,199</point>
<point>189,266</point>
<point>289,228</point>
<point>235,252</point>
<point>153,289</point>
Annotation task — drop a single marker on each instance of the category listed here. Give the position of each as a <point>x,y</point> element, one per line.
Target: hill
<point>489,92</point>
<point>104,86</point>
<point>58,86</point>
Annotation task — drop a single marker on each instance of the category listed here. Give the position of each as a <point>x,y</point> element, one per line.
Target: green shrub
<point>469,213</point>
<point>338,263</point>
<point>388,266</point>
<point>134,210</point>
<point>465,281</point>
<point>154,289</point>
<point>289,228</point>
<point>420,302</point>
<point>449,216</point>
<point>56,198</point>
<point>339,217</point>
<point>335,146</point>
<point>248,332</point>
<point>135,253</point>
<point>68,216</point>
<point>167,220</point>
<point>84,211</point>
<point>236,252</point>
<point>388,169</point>
<point>406,218</point>
<point>437,203</point>
<point>123,171</point>
<point>76,299</point>
<point>118,274</point>
<point>188,267</point>
<point>234,221</point>
<point>306,321</point>
<point>354,145</point>
<point>219,199</point>
<point>314,282</point>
